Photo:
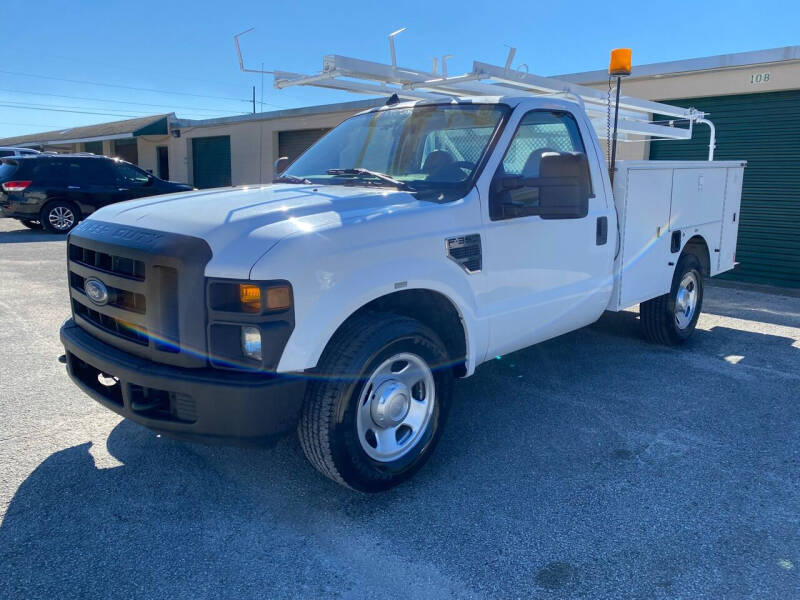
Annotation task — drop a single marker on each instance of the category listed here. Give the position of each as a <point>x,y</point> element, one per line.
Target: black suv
<point>57,191</point>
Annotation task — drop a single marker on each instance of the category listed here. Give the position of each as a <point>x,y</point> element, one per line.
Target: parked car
<point>6,151</point>
<point>56,191</point>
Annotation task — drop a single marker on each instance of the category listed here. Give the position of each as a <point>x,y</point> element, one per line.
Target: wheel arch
<point>698,246</point>
<point>435,308</point>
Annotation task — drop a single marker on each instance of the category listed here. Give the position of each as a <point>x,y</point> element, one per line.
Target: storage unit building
<point>753,98</point>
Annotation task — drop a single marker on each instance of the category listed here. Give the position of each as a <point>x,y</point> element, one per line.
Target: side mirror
<point>281,165</point>
<point>561,191</point>
<point>568,186</point>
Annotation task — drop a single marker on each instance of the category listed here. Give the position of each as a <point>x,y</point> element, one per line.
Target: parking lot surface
<point>594,465</point>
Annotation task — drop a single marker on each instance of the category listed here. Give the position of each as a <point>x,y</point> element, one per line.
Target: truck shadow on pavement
<point>586,465</point>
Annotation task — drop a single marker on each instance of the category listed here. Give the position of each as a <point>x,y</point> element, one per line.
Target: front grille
<point>108,263</point>
<point>126,330</point>
<point>121,298</point>
<point>155,280</point>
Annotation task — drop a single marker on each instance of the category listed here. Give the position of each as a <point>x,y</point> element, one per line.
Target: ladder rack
<point>367,77</point>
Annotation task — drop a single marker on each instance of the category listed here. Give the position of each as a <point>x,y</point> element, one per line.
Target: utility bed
<point>660,206</point>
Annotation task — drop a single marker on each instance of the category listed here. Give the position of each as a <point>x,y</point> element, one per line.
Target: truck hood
<point>241,224</point>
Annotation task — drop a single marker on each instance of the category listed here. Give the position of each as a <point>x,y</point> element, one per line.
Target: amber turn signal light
<point>250,297</point>
<point>279,297</point>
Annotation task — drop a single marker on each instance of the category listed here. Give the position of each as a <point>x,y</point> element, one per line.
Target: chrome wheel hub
<point>390,404</point>
<point>395,407</point>
<point>61,218</point>
<point>686,300</point>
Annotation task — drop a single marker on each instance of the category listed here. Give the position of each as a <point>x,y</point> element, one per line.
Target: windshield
<point>424,148</point>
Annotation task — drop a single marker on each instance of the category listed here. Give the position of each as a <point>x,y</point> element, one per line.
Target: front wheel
<point>670,319</point>
<point>375,410</point>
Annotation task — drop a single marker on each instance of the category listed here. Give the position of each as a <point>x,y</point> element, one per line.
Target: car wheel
<point>670,319</point>
<point>377,404</point>
<point>59,216</point>
<point>31,224</point>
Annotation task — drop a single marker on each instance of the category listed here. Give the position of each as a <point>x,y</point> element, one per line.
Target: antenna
<point>391,45</point>
<point>239,54</point>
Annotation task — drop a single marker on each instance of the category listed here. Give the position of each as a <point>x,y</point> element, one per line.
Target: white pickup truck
<point>409,245</point>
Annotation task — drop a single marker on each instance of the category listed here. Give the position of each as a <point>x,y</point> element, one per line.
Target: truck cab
<point>409,245</point>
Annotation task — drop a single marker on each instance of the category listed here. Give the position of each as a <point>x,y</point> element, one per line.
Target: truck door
<point>546,275</point>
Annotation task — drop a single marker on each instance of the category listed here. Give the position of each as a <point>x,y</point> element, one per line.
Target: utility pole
<point>254,99</point>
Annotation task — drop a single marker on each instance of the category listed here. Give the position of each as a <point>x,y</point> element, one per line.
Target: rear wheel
<point>670,319</point>
<point>30,224</point>
<point>375,412</point>
<point>59,216</point>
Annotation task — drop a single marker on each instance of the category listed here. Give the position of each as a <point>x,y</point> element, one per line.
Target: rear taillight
<point>15,186</point>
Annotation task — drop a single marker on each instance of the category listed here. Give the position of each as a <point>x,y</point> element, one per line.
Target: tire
<point>31,224</point>
<point>671,319</point>
<point>59,216</point>
<point>353,391</point>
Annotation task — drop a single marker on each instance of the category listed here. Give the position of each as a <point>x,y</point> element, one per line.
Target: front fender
<point>318,320</point>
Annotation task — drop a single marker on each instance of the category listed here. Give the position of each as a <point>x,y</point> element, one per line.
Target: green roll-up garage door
<point>211,161</point>
<point>764,130</point>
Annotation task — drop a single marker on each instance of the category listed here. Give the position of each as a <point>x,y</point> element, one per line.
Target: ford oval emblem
<point>97,291</point>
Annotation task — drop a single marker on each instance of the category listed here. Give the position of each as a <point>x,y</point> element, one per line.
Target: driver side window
<point>538,133</point>
<point>544,170</point>
<point>130,175</point>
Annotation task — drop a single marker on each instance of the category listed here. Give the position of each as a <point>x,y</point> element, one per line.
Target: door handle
<point>123,190</point>
<point>73,187</point>
<point>601,234</point>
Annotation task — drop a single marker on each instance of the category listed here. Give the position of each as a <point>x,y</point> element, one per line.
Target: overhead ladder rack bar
<point>368,77</point>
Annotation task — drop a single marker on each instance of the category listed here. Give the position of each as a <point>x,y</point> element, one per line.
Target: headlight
<point>250,298</point>
<point>279,297</point>
<point>249,322</point>
<point>251,342</point>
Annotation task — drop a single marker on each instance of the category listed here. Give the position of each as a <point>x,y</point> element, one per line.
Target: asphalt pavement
<point>594,465</point>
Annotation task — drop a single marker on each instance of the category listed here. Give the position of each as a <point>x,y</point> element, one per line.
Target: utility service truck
<point>410,244</point>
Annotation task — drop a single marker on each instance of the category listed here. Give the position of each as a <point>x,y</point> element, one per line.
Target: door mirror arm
<point>281,165</point>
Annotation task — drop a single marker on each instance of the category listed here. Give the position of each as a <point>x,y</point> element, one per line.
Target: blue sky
<point>127,59</point>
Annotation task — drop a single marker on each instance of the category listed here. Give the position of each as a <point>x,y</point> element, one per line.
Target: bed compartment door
<point>696,195</point>
<point>730,221</point>
<point>644,271</point>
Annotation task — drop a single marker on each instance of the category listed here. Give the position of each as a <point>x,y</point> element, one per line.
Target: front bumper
<point>196,404</point>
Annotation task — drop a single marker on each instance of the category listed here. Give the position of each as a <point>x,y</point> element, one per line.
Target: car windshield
<point>423,148</point>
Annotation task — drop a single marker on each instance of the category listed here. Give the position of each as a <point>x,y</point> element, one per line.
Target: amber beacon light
<point>620,63</point>
<point>619,66</point>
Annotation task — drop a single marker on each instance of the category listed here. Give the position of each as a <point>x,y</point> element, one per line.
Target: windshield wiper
<point>289,179</point>
<point>382,176</point>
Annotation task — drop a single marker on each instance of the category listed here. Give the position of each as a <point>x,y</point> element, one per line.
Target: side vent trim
<point>466,251</point>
